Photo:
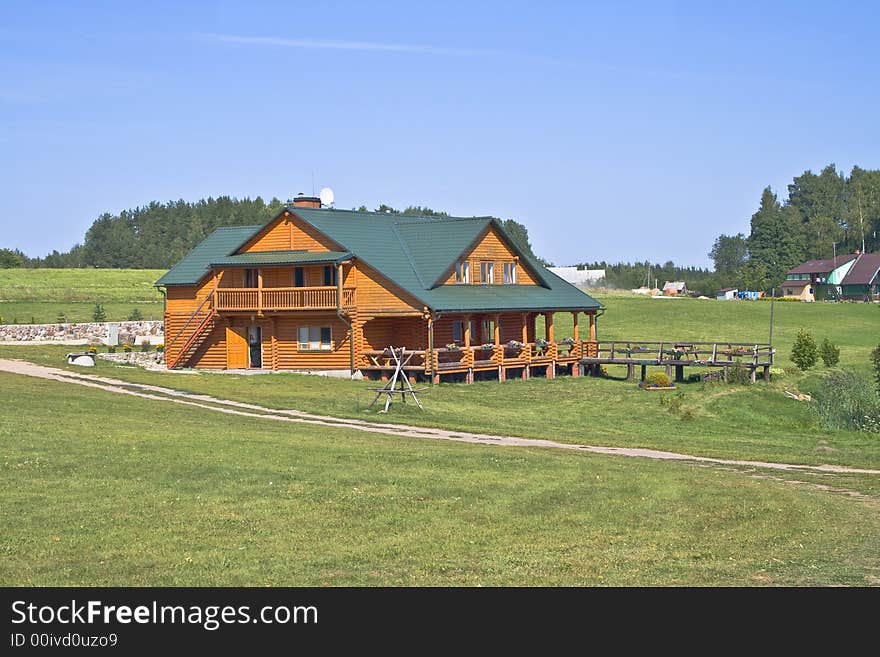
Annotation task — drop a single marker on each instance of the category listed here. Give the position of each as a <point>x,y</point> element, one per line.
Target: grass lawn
<point>101,489</point>
<point>48,312</point>
<point>44,294</point>
<point>755,422</point>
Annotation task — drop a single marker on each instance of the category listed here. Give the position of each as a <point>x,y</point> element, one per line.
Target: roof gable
<point>433,247</point>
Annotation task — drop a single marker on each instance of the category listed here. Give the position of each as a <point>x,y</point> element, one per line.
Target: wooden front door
<point>236,348</point>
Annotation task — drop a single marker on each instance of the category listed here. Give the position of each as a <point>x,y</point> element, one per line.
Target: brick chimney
<point>306,201</point>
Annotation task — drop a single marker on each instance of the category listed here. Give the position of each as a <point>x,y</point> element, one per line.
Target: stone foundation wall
<point>83,333</point>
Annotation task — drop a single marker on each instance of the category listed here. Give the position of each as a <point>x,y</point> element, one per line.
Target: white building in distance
<point>578,276</point>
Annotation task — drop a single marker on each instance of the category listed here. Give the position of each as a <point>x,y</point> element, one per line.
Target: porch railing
<point>282,298</point>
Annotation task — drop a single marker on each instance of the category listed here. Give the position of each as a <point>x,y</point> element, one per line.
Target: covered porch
<point>468,346</point>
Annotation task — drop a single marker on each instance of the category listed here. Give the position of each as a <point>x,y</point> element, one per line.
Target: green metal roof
<point>281,258</point>
<point>197,263</point>
<point>411,251</point>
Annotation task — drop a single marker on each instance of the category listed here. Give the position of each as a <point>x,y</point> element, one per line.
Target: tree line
<point>159,235</point>
<point>825,214</point>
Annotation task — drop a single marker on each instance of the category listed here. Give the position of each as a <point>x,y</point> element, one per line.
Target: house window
<point>487,273</point>
<point>788,291</point>
<point>509,273</point>
<point>329,275</point>
<point>299,279</point>
<point>315,338</point>
<point>251,278</point>
<point>458,332</point>
<point>463,272</point>
<point>488,328</point>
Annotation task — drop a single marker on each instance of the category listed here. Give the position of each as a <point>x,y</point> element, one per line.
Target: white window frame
<point>309,338</point>
<point>510,273</point>
<point>487,272</point>
<point>463,272</point>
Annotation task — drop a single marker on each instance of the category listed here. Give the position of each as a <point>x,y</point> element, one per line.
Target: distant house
<point>579,275</point>
<point>646,291</point>
<point>862,281</point>
<point>810,281</point>
<point>726,294</point>
<point>674,288</point>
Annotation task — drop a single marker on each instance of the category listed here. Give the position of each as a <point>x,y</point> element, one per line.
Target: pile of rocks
<point>152,360</point>
<point>84,333</point>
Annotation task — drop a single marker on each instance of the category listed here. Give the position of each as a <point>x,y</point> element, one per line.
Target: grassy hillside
<point>100,493</point>
<point>43,294</point>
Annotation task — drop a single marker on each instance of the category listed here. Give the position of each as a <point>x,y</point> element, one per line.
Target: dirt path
<point>231,407</point>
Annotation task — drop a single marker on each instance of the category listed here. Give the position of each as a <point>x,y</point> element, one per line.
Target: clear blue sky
<point>613,131</point>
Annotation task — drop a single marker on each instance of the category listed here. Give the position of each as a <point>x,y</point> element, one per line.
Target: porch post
<point>467,348</point>
<point>548,326</point>
<point>260,292</point>
<point>576,331</point>
<point>525,328</point>
<point>592,327</point>
<point>497,336</point>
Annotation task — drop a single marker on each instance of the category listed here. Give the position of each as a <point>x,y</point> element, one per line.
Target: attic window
<point>509,273</point>
<point>463,272</point>
<point>487,273</point>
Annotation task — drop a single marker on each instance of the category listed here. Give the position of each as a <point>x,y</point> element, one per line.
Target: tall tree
<point>775,241</point>
<point>729,253</point>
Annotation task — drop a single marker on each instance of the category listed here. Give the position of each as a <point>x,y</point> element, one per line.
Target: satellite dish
<point>327,196</point>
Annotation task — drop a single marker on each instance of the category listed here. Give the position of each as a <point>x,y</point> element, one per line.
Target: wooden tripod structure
<point>401,360</point>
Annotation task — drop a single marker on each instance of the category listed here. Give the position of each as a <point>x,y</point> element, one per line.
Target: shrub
<point>98,313</point>
<point>657,380</point>
<point>846,400</point>
<point>135,315</point>
<point>829,352</point>
<point>145,346</point>
<point>160,347</point>
<point>875,361</point>
<point>777,372</point>
<point>739,375</point>
<point>111,349</point>
<point>126,348</point>
<point>61,319</point>
<point>805,353</point>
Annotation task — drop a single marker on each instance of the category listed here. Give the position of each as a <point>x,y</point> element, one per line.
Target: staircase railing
<point>169,346</point>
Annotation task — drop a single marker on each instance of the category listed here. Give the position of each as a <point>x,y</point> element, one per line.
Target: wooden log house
<point>326,289</point>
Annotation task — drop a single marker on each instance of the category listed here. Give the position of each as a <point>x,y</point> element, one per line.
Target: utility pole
<point>772,301</point>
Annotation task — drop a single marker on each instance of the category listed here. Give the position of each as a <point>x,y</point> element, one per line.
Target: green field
<point>754,422</point>
<point>144,492</point>
<point>110,491</point>
<point>42,295</point>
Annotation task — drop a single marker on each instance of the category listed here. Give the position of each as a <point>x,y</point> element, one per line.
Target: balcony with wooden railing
<point>282,298</point>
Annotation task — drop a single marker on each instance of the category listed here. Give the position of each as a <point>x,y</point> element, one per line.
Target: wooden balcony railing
<point>282,298</point>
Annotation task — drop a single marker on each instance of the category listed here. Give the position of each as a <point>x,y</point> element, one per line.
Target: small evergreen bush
<point>135,315</point>
<point>829,352</point>
<point>805,353</point>
<point>98,313</point>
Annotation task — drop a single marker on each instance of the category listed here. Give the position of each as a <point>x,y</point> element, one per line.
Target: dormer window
<point>487,273</point>
<point>463,272</point>
<point>509,273</point>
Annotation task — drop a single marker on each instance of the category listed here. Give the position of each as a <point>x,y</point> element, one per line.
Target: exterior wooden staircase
<point>192,334</point>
